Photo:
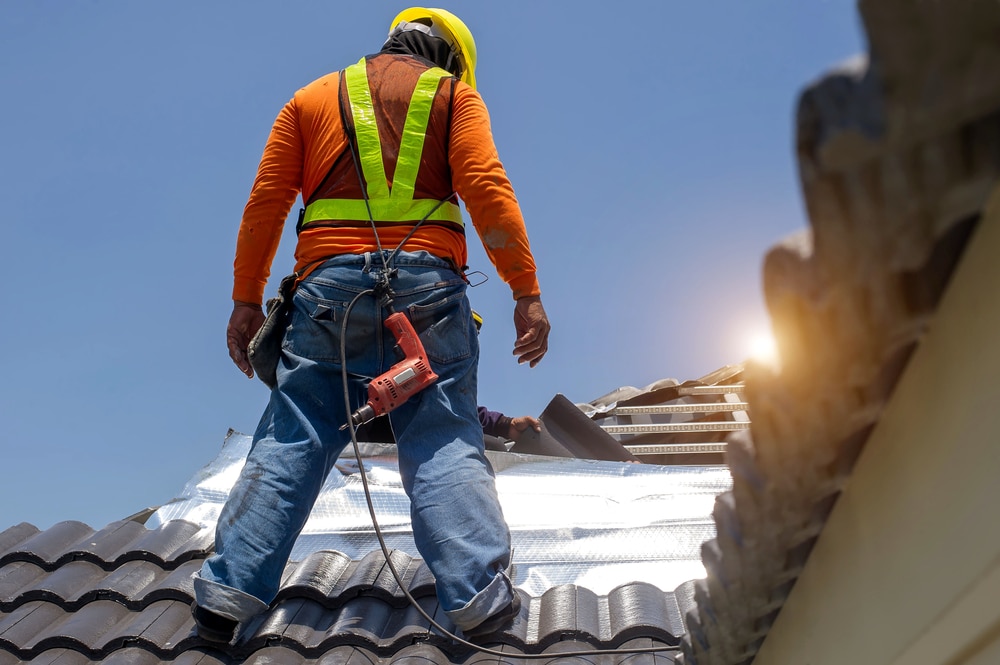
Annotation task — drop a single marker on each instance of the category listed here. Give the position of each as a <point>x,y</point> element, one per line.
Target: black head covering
<point>414,42</point>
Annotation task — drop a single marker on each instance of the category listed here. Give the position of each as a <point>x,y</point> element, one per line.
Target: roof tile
<point>75,596</point>
<point>119,542</point>
<point>22,629</point>
<point>42,547</point>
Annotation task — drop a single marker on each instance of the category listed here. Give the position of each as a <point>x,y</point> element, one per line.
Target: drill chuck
<point>363,415</point>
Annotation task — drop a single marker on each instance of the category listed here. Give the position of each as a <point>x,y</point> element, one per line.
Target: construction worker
<point>379,153</point>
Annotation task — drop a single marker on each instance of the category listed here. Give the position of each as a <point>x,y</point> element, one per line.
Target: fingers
<point>532,326</point>
<point>244,322</point>
<point>531,347</point>
<point>238,344</point>
<point>524,422</point>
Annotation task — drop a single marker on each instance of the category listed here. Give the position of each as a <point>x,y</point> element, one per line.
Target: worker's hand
<point>532,326</point>
<point>521,423</point>
<point>244,322</point>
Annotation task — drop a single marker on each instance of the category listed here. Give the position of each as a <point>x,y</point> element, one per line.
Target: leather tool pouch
<point>265,347</point>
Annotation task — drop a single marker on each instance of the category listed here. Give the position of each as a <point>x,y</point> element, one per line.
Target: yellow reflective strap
<point>395,204</point>
<point>411,144</point>
<point>383,210</point>
<point>369,146</point>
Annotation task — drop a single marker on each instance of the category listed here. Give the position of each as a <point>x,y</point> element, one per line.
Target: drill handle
<point>406,337</point>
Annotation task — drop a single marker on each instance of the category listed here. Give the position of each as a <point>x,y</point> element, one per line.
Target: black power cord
<point>385,548</point>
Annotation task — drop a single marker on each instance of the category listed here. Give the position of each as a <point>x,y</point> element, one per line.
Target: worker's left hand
<point>521,423</point>
<point>244,322</point>
<point>532,326</point>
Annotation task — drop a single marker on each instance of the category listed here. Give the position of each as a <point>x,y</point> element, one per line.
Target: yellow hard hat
<point>450,28</point>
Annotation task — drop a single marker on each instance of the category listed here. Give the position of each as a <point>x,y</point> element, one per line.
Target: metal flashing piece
<point>568,432</point>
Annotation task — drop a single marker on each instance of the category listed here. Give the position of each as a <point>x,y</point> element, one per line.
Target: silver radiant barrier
<point>591,523</point>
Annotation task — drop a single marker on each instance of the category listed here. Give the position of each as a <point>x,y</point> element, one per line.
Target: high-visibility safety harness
<point>382,203</point>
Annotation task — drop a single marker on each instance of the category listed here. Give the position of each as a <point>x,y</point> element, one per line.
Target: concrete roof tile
<point>68,603</point>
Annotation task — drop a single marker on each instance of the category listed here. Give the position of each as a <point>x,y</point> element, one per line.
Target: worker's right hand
<point>244,322</point>
<point>532,326</point>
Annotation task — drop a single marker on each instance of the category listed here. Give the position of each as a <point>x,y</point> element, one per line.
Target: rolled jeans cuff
<point>497,595</point>
<point>226,601</point>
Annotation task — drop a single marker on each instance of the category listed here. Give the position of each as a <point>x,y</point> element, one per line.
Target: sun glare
<point>763,349</point>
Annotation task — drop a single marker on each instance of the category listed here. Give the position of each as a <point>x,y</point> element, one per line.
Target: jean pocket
<point>444,327</point>
<point>315,327</point>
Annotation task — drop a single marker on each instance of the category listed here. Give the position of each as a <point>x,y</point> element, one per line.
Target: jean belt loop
<point>368,263</point>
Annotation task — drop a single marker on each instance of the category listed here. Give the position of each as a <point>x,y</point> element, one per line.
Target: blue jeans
<point>458,525</point>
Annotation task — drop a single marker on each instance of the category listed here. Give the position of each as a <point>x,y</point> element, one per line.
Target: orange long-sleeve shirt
<point>306,138</point>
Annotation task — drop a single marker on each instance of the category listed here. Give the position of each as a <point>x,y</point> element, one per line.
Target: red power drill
<point>403,380</point>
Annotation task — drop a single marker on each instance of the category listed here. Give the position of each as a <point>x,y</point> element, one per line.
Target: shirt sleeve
<point>278,183</point>
<point>482,183</point>
<point>494,423</point>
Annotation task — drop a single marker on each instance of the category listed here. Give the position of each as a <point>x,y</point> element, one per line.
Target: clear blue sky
<point>649,142</point>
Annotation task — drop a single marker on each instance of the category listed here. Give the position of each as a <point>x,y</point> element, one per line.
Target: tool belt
<point>265,347</point>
